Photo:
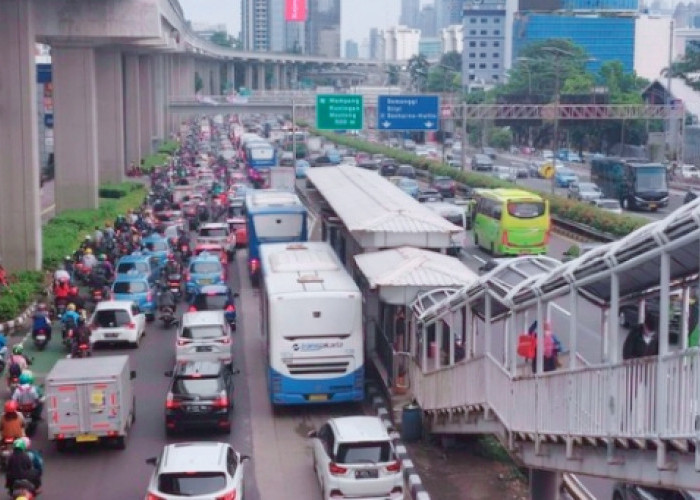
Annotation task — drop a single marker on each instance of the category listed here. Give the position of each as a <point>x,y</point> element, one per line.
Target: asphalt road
<point>281,461</point>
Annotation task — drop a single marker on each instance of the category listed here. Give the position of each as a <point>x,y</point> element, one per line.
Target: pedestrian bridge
<point>635,420</point>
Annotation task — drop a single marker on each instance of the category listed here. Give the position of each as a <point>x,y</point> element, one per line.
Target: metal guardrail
<point>576,490</point>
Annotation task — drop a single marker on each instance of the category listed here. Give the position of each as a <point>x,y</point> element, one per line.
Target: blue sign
<point>43,73</point>
<point>408,112</point>
<point>48,120</point>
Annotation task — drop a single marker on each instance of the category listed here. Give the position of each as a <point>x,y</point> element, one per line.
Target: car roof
<point>202,317</point>
<point>212,225</point>
<point>359,429</point>
<point>193,456</point>
<point>113,304</point>
<point>206,255</point>
<point>130,276</point>
<point>133,257</point>
<point>195,368</point>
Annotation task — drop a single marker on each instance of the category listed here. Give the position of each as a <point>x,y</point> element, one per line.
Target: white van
<point>690,172</point>
<point>204,335</point>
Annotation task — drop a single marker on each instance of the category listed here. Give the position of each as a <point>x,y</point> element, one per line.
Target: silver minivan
<point>204,335</point>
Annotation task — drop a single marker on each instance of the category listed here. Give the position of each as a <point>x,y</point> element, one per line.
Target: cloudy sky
<point>357,16</point>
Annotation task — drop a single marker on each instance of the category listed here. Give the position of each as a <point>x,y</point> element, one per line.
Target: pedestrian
<point>400,330</point>
<point>552,347</point>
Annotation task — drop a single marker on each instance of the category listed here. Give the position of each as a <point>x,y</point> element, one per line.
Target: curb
<point>9,327</point>
<point>416,489</point>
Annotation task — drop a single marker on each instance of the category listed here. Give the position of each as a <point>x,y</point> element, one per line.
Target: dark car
<point>372,165</point>
<point>200,396</point>
<point>429,194</point>
<point>216,298</point>
<point>322,161</point>
<point>490,152</point>
<point>406,171</point>
<point>482,163</point>
<point>627,491</point>
<point>445,185</point>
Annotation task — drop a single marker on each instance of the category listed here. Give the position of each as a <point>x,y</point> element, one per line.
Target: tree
<point>222,38</point>
<point>452,60</point>
<point>418,71</point>
<point>441,79</point>
<point>500,138</point>
<point>687,69</point>
<point>393,73</point>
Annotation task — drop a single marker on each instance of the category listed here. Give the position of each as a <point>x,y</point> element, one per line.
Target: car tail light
<point>336,469</point>
<point>231,495</point>
<point>149,296</point>
<point>504,237</point>
<point>171,403</point>
<point>254,264</point>
<point>221,401</point>
<point>131,326</point>
<point>230,308</point>
<point>192,309</point>
<point>224,340</point>
<point>151,496</point>
<point>182,341</point>
<point>394,467</point>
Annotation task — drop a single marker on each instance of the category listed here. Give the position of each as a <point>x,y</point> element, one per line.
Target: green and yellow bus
<point>511,222</point>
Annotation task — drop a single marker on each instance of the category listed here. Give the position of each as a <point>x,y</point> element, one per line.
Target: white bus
<point>311,312</point>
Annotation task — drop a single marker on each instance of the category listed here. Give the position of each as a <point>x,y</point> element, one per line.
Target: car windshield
<point>200,332</point>
<point>125,267</point>
<point>206,302</point>
<point>112,318</point>
<point>199,386</point>
<point>130,287</point>
<point>525,209</point>
<point>157,246</point>
<point>589,187</point>
<point>189,484</point>
<point>651,179</point>
<point>205,267</point>
<point>216,232</point>
<point>372,452</point>
<point>443,180</point>
<point>236,211</point>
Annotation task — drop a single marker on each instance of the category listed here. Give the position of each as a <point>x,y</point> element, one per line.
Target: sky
<point>357,16</point>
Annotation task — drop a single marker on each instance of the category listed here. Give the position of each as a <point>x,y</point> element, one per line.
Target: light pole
<point>527,61</point>
<point>557,67</point>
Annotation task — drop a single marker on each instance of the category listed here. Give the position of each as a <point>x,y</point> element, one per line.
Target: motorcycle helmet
<point>17,349</point>
<point>19,444</point>
<point>26,377</point>
<point>71,307</point>
<point>88,237</point>
<point>42,307</point>
<point>102,257</point>
<point>74,290</point>
<point>88,251</point>
<point>11,406</point>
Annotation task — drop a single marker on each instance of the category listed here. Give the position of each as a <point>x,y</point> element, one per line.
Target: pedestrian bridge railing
<point>643,399</point>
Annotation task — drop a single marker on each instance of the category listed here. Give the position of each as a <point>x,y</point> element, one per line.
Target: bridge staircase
<point>636,421</point>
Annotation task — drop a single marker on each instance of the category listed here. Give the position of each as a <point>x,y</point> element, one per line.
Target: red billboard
<point>295,10</point>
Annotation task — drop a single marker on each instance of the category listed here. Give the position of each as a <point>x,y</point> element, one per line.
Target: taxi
<point>157,245</point>
<point>213,249</point>
<point>204,269</point>
<point>135,287</point>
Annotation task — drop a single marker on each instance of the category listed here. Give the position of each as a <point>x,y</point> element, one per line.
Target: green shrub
<point>9,307</point>
<point>583,213</point>
<point>169,147</point>
<point>155,160</point>
<point>117,190</point>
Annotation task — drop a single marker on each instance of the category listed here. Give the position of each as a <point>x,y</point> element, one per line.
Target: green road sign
<point>339,112</point>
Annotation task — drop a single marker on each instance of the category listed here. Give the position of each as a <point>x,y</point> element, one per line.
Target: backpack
<point>548,346</point>
<point>15,370</point>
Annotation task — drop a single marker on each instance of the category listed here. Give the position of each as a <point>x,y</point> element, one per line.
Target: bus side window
<point>497,211</point>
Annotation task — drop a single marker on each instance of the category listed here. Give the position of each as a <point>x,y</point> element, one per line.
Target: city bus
<point>272,216</point>
<point>311,313</point>
<point>637,184</point>
<point>511,222</point>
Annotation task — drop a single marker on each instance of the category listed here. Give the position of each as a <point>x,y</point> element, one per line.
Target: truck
<point>90,400</point>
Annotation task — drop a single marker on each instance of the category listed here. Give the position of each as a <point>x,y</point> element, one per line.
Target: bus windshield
<point>337,319</point>
<point>651,179</point>
<point>526,209</point>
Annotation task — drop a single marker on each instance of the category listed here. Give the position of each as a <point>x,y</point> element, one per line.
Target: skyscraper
<point>409,13</point>
<point>323,28</point>
<point>255,22</point>
<point>352,50</point>
<point>427,21</point>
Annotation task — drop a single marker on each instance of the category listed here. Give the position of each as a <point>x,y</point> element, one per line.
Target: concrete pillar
<point>544,484</point>
<point>261,77</point>
<point>215,79</point>
<point>20,205</point>
<point>110,115</point>
<point>160,93</point>
<point>284,77</point>
<point>277,76</point>
<point>132,109</point>
<point>146,104</point>
<point>295,76</point>
<point>187,69</point>
<point>248,70</point>
<point>231,76</point>
<point>75,130</point>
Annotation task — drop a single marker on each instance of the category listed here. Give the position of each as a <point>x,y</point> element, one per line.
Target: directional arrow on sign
<point>386,124</point>
<point>428,124</point>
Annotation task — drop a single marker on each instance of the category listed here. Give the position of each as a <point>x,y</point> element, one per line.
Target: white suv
<point>204,335</point>
<point>218,233</point>
<point>198,471</point>
<point>354,457</point>
<point>117,321</point>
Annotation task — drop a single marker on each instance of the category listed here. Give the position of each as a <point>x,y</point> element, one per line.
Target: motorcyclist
<point>166,300</point>
<point>99,277</point>
<point>61,274</point>
<point>28,394</point>
<point>40,321</point>
<point>37,459</point>
<point>80,336</point>
<point>89,260</point>
<point>171,267</point>
<point>75,298</point>
<point>61,290</point>
<point>70,319</point>
<point>12,421</point>
<point>18,362</point>
<point>20,466</point>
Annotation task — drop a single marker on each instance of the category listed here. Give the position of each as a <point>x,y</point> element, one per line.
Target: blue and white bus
<point>260,154</point>
<point>272,216</point>
<point>311,312</point>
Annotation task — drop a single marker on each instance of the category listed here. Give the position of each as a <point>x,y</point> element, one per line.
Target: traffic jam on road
<point>247,339</point>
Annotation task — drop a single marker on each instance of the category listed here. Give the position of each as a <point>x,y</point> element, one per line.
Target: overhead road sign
<point>339,112</point>
<point>408,112</point>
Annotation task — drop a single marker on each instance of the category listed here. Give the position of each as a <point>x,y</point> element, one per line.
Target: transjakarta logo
<point>316,346</point>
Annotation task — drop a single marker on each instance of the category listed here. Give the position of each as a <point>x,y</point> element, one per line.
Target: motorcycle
<point>30,422</point>
<point>175,285</point>
<point>12,383</point>
<point>97,295</point>
<point>60,307</point>
<point>41,337</point>
<point>67,334</point>
<point>168,316</point>
<point>5,452</point>
<point>23,488</point>
<point>81,350</point>
<point>3,358</point>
